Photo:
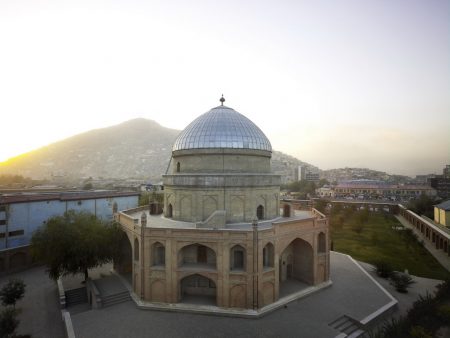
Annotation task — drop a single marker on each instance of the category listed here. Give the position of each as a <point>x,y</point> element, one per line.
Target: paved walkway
<point>405,300</point>
<point>40,313</point>
<point>440,255</point>
<point>353,293</point>
<point>308,317</point>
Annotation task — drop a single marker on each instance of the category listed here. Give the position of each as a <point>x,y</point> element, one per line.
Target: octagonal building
<point>221,172</point>
<point>224,239</point>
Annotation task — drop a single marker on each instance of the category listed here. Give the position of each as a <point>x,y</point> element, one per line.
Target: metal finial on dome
<point>222,100</point>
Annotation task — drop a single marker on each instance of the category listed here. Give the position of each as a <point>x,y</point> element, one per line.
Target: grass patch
<point>374,238</point>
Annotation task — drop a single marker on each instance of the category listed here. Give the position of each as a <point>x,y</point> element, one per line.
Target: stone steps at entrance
<point>76,296</point>
<point>346,325</point>
<point>116,298</point>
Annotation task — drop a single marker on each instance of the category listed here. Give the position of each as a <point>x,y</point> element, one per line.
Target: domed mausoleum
<point>222,239</point>
<point>221,172</point>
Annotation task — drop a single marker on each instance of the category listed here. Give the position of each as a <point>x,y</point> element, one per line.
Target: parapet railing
<point>317,213</point>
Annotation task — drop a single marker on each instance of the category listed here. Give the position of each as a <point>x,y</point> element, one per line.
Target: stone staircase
<point>347,326</point>
<point>76,296</point>
<point>115,298</point>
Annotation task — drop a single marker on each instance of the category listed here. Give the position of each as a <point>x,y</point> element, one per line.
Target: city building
<point>307,173</point>
<point>326,191</point>
<point>442,183</point>
<point>222,240</point>
<point>442,213</point>
<point>371,189</point>
<point>22,213</point>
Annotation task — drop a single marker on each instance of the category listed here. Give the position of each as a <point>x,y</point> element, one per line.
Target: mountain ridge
<point>137,148</point>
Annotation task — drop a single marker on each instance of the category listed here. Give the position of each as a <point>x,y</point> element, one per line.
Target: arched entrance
<point>296,267</point>
<point>198,289</point>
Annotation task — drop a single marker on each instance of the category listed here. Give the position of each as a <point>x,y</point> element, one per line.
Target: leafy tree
<point>8,322</point>
<point>303,187</point>
<point>424,205</point>
<point>88,186</point>
<point>74,243</point>
<point>320,205</point>
<point>322,182</point>
<point>145,198</point>
<point>12,291</point>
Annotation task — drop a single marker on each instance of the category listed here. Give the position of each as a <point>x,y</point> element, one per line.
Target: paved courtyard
<point>353,294</point>
<point>40,313</point>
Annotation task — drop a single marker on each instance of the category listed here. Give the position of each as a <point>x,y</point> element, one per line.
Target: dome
<point>222,127</point>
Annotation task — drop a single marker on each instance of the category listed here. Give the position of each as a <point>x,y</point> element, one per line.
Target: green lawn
<point>377,240</point>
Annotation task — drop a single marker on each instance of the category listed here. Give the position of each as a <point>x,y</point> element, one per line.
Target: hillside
<point>138,148</point>
<point>133,149</point>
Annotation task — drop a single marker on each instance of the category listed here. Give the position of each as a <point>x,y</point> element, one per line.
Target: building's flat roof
<point>62,196</point>
<point>444,205</point>
<point>382,186</point>
<point>160,221</point>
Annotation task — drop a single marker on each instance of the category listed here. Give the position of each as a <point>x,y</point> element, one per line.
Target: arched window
<point>170,211</point>
<point>322,244</point>
<point>197,255</point>
<point>178,167</point>
<point>237,258</point>
<point>268,256</point>
<point>286,210</point>
<point>136,249</point>
<point>158,254</point>
<point>260,212</point>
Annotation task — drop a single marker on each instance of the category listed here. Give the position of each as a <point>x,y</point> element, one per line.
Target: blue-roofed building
<point>22,213</point>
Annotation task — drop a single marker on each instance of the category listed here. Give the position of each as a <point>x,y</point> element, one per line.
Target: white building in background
<point>307,173</point>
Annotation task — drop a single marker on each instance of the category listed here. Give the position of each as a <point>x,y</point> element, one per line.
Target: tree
<point>88,186</point>
<point>74,243</point>
<point>8,322</point>
<point>145,198</point>
<point>320,205</point>
<point>424,205</point>
<point>12,291</point>
<point>322,182</point>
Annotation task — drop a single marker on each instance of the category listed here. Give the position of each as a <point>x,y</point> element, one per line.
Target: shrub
<point>8,322</point>
<point>12,291</point>
<point>419,332</point>
<point>443,290</point>
<point>401,281</point>
<point>443,313</point>
<point>383,269</point>
<point>395,328</point>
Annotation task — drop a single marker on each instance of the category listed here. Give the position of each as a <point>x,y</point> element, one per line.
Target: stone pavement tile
<point>352,293</point>
<point>40,313</point>
<point>422,286</point>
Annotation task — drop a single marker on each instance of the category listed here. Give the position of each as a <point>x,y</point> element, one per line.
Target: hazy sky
<point>335,83</point>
